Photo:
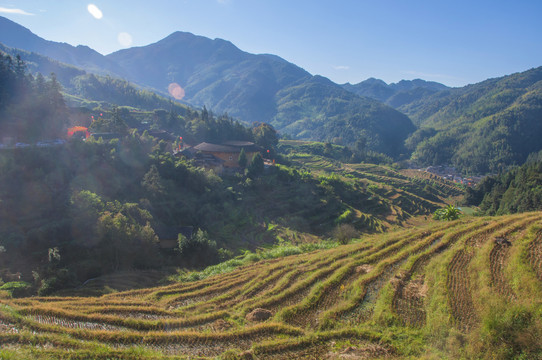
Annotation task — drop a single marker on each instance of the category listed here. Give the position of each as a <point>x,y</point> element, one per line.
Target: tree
<point>118,125</point>
<point>265,136</point>
<point>256,166</point>
<point>152,182</point>
<point>115,124</point>
<point>344,233</point>
<point>198,250</point>
<point>242,158</point>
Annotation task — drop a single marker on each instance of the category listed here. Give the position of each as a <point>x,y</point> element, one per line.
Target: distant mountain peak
<point>395,94</point>
<point>418,83</point>
<point>374,81</point>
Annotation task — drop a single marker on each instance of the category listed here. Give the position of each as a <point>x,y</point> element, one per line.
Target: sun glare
<point>94,11</point>
<point>176,91</point>
<point>124,39</point>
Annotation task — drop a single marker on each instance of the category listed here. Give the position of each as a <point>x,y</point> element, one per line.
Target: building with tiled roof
<point>220,156</point>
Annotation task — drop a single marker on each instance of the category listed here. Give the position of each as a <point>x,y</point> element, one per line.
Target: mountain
<point>264,88</point>
<point>16,36</point>
<point>395,94</point>
<point>213,73</point>
<point>326,111</point>
<point>252,88</point>
<point>83,89</point>
<point>482,128</point>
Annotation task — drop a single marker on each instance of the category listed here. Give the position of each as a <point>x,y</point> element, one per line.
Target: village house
<point>168,236</point>
<point>220,157</point>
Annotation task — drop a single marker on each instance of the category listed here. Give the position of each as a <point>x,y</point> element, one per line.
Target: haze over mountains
<point>478,128</point>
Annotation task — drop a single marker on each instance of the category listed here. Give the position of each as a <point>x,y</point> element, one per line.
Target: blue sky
<point>453,42</point>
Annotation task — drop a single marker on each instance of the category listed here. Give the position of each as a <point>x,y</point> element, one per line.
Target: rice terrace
<point>412,293</point>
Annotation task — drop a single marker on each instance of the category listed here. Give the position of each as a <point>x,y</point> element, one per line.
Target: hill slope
<point>317,109</point>
<point>83,89</point>
<point>443,291</point>
<point>483,127</point>
<point>17,36</point>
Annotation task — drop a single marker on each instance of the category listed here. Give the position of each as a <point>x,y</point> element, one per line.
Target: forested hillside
<point>31,109</point>
<point>325,111</point>
<point>480,128</point>
<point>517,190</point>
<point>89,90</point>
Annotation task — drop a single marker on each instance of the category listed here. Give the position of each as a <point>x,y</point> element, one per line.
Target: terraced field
<point>427,292</point>
<point>377,197</point>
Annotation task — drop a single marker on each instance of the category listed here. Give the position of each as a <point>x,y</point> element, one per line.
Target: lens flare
<point>94,11</point>
<point>124,39</point>
<point>75,129</point>
<point>176,91</point>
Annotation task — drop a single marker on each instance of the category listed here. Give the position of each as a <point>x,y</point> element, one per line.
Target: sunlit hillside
<point>470,288</point>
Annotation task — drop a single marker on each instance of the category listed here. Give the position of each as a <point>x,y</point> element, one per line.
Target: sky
<point>454,42</point>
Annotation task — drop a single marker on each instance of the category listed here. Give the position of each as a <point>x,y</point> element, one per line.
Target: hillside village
<point>450,173</point>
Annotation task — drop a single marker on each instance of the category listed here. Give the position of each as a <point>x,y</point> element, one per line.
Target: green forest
<point>481,128</point>
<point>517,190</point>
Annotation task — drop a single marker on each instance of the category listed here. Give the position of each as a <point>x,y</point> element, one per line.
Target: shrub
<point>198,250</point>
<point>344,233</point>
<point>16,288</point>
<point>449,213</point>
<point>61,279</point>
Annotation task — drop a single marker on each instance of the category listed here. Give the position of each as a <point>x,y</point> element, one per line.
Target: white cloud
<point>95,11</point>
<point>14,11</point>
<point>341,67</point>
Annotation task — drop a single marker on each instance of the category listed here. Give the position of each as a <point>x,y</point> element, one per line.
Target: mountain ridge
<point>225,79</point>
<point>17,36</point>
<point>395,94</point>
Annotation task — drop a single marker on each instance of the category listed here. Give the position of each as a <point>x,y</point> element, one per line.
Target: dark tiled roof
<point>215,148</point>
<point>238,143</point>
<point>228,147</point>
<point>106,136</point>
